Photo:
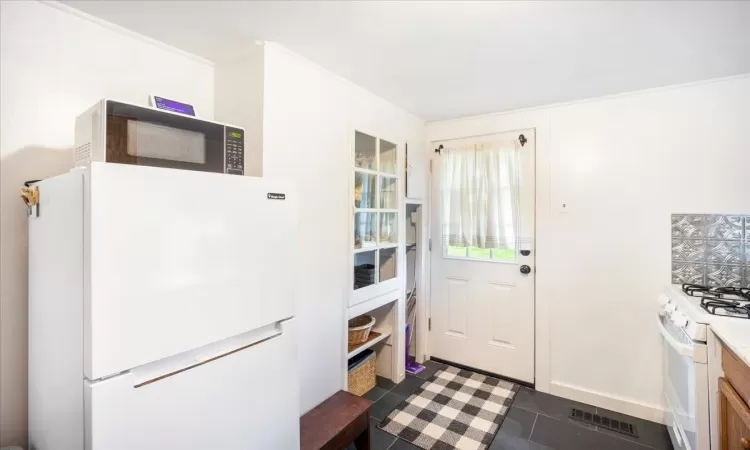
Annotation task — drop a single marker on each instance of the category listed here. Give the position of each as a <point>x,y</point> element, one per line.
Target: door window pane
<point>479,253</point>
<point>387,157</point>
<point>508,254</point>
<point>365,189</point>
<point>364,151</point>
<point>457,252</point>
<point>485,254</point>
<point>479,189</point>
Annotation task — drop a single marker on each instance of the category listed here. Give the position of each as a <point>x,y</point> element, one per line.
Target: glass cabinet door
<point>375,211</point>
<point>365,151</point>
<point>387,263</point>
<point>365,190</point>
<point>388,228</point>
<point>387,157</point>
<point>365,229</point>
<point>388,192</point>
<point>364,269</point>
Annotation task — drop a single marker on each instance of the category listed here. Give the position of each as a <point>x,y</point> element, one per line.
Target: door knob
<point>745,443</point>
<point>525,269</point>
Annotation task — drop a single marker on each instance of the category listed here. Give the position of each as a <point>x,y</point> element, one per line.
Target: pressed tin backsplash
<point>711,249</point>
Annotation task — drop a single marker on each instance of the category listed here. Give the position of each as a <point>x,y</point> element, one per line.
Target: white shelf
<point>374,303</point>
<point>373,172</point>
<point>383,336</point>
<point>374,248</point>
<point>413,201</point>
<point>374,210</point>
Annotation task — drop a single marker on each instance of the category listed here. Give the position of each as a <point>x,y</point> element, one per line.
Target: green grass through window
<point>481,253</point>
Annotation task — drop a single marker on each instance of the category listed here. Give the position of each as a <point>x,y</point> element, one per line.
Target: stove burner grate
<point>727,308</point>
<point>719,293</point>
<point>721,301</point>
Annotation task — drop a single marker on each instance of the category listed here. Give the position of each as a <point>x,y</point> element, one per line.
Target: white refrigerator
<point>161,311</point>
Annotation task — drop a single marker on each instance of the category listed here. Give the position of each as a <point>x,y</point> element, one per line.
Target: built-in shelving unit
<point>377,248</point>
<point>414,282</point>
<point>374,338</point>
<point>376,206</point>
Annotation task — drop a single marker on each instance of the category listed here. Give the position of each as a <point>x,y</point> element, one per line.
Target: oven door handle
<point>682,349</point>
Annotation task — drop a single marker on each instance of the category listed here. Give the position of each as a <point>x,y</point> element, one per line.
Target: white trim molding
<point>654,413</point>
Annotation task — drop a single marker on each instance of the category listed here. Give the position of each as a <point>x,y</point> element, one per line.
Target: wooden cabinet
<point>734,413</point>
<point>734,418</point>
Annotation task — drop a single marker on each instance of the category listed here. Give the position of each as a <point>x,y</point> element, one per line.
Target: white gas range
<point>690,368</point>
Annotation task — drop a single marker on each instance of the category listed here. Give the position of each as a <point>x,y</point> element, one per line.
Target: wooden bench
<point>337,422</point>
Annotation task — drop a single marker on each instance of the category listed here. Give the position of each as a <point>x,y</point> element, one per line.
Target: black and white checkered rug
<point>455,409</point>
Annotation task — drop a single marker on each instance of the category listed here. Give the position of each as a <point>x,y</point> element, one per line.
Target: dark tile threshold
<point>482,372</point>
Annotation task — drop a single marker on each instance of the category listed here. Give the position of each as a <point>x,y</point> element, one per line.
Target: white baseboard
<point>654,413</point>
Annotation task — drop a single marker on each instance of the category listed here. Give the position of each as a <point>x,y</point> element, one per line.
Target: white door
<point>482,299</point>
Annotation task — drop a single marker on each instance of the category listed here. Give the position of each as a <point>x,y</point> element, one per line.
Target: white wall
<point>309,118</point>
<point>623,164</point>
<point>238,100</point>
<point>54,64</point>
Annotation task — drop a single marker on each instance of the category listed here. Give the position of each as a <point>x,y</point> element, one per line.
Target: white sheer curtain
<point>480,199</point>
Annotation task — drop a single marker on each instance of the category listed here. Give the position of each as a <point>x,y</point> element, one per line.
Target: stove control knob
<point>679,320</point>
<point>670,308</point>
<point>663,300</point>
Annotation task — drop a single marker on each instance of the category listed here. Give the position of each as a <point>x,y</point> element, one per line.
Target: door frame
<point>499,124</point>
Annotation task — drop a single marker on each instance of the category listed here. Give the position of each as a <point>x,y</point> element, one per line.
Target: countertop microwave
<point>118,132</point>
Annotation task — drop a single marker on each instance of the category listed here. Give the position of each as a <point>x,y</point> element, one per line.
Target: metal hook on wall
<point>522,139</point>
<point>437,150</point>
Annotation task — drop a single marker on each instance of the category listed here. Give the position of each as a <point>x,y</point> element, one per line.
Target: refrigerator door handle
<point>160,370</point>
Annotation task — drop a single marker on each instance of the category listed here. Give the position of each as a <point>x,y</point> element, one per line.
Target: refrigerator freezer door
<point>175,260</point>
<point>245,400</point>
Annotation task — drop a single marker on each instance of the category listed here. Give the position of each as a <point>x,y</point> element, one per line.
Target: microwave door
<point>147,137</point>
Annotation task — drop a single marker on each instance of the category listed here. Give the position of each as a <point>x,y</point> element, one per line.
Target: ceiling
<point>441,60</point>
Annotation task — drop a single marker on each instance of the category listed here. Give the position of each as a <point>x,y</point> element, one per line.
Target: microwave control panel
<point>234,151</point>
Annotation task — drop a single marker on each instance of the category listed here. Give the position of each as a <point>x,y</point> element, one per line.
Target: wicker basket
<point>362,377</point>
<point>359,329</point>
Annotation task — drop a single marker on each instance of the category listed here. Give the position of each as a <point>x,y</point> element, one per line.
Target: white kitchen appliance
<point>161,307</point>
<point>692,410</point>
<point>120,132</point>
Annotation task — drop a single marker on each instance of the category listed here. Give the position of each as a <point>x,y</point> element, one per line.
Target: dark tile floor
<point>536,421</point>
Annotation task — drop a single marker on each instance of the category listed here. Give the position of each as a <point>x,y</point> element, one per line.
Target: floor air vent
<point>604,422</point>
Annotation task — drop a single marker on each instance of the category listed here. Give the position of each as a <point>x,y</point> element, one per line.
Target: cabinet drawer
<point>737,373</point>
<point>734,419</point>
